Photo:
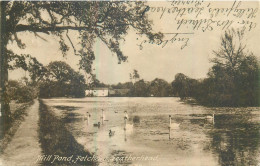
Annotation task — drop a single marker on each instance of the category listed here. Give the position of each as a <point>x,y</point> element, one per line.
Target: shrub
<point>20,92</point>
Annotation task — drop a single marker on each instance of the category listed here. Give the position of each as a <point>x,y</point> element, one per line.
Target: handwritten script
<point>186,18</point>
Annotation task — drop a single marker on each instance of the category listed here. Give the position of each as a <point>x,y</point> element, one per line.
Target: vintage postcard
<point>130,83</point>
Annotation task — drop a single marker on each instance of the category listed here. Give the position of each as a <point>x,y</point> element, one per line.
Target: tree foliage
<point>61,80</point>
<point>107,21</point>
<point>126,85</point>
<point>231,50</point>
<point>159,88</point>
<point>59,71</point>
<point>92,20</point>
<point>233,79</point>
<point>183,86</point>
<point>28,63</point>
<point>140,89</point>
<point>134,76</point>
<point>20,92</point>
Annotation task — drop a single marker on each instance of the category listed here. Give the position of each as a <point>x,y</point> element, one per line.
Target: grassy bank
<point>18,113</point>
<point>55,139</point>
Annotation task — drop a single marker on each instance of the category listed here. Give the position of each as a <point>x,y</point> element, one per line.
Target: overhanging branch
<point>20,28</point>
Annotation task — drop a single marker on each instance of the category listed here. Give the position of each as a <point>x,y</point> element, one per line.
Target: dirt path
<point>24,148</point>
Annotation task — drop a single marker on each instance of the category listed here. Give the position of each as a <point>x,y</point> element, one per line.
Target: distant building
<point>103,92</point>
<point>98,92</point>
<point>118,92</point>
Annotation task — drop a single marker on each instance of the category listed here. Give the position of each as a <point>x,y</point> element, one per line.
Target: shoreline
<point>56,139</point>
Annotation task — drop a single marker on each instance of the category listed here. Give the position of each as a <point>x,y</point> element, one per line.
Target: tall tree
<point>233,79</point>
<point>107,21</point>
<point>131,77</point>
<point>231,50</point>
<point>77,85</point>
<point>140,89</point>
<point>180,85</point>
<point>183,86</point>
<point>159,88</point>
<point>59,71</point>
<point>36,70</point>
<point>135,76</point>
<point>61,80</point>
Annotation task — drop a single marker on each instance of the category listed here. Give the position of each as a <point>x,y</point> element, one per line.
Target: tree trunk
<point>5,108</point>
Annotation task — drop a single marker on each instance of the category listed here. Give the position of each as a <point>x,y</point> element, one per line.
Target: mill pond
<point>197,136</point>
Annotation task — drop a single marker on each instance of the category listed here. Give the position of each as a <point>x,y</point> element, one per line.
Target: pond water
<point>198,135</point>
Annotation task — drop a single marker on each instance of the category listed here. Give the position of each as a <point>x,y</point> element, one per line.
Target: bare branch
<point>18,41</point>
<point>75,51</point>
<point>37,35</point>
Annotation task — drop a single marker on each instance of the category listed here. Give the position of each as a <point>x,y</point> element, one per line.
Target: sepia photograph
<point>130,83</point>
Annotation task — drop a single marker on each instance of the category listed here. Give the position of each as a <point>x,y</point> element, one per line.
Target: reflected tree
<point>235,139</point>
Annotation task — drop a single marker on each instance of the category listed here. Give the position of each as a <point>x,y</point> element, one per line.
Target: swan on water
<point>174,125</point>
<point>210,117</point>
<point>126,115</point>
<point>102,115</point>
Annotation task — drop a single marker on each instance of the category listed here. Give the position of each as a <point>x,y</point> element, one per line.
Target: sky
<point>152,61</point>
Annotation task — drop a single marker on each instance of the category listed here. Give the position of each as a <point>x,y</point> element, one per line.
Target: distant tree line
<point>140,88</point>
<point>233,79</point>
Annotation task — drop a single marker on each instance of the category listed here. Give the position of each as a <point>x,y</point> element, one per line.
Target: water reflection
<point>236,140</point>
<point>198,135</point>
<point>136,119</point>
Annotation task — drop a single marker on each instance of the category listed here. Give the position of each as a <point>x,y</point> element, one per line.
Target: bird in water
<point>210,117</point>
<point>111,133</point>
<point>102,116</point>
<point>126,115</point>
<point>174,126</point>
<point>88,114</point>
<point>87,117</point>
<point>96,124</point>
